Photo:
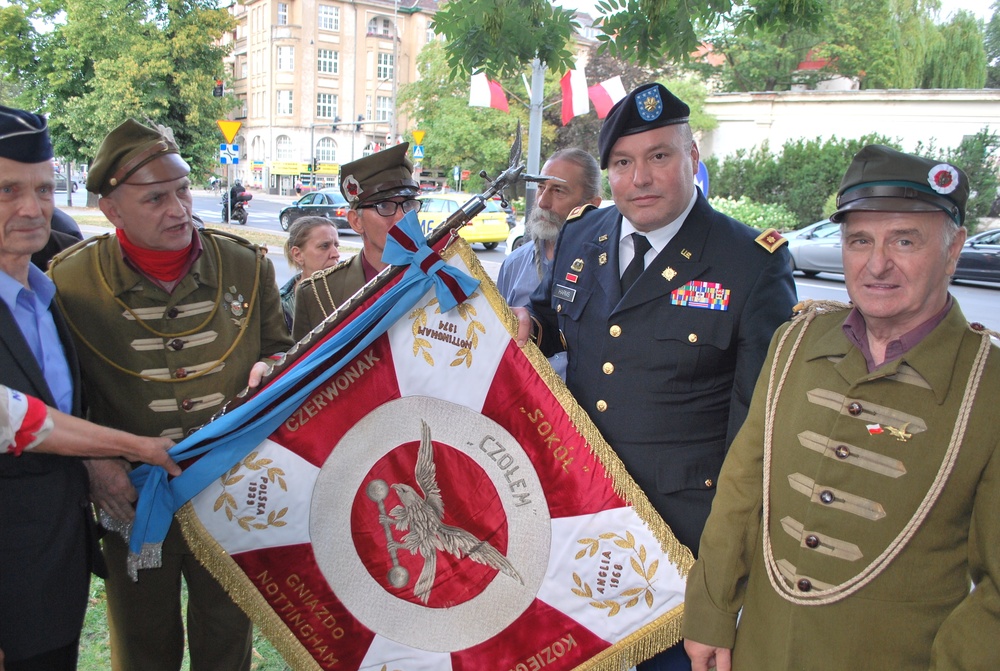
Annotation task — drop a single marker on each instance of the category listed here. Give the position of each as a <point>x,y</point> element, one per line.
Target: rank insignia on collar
<point>771,240</point>
<point>686,254</point>
<point>669,274</point>
<point>603,238</point>
<point>577,266</point>
<point>603,258</point>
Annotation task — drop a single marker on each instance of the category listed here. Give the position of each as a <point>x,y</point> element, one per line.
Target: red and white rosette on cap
<point>442,503</point>
<point>943,178</point>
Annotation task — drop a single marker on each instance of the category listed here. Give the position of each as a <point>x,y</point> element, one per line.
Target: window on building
<point>380,26</point>
<point>384,68</point>
<point>286,58</point>
<point>328,61</point>
<point>326,105</point>
<point>326,150</point>
<point>243,108</point>
<point>383,108</point>
<point>329,17</point>
<point>282,13</point>
<point>285,102</point>
<point>284,150</point>
<point>243,69</point>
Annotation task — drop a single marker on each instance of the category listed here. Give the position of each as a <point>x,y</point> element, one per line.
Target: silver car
<point>816,249</point>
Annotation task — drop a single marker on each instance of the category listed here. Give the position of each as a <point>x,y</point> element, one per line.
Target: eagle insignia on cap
<point>649,104</point>
<point>352,188</point>
<point>943,178</point>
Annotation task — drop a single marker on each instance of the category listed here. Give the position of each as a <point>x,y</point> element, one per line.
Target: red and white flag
<point>441,503</point>
<point>574,95</point>
<point>606,94</point>
<point>485,92</point>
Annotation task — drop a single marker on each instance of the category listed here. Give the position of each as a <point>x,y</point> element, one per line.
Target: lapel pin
<point>577,266</point>
<point>669,274</point>
<point>603,258</point>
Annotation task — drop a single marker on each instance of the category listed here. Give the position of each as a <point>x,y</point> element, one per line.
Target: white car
<point>516,237</point>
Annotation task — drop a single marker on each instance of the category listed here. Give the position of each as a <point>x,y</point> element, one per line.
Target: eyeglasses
<point>387,208</point>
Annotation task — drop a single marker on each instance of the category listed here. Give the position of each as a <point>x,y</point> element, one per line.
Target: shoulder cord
<point>192,376</point>
<point>880,563</point>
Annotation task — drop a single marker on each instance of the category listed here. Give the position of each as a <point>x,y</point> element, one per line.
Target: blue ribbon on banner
<point>227,440</point>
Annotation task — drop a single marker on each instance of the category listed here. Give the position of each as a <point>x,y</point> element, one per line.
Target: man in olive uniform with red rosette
<point>856,524</point>
<point>169,322</point>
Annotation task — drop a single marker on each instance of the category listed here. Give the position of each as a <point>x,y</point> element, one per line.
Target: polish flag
<point>606,94</point>
<point>485,92</point>
<point>574,95</point>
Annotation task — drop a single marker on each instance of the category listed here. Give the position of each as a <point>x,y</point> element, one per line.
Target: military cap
<point>379,176</point>
<point>24,137</point>
<point>645,108</point>
<point>126,150</point>
<point>881,179</point>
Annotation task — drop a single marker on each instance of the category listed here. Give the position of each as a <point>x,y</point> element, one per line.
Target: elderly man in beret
<point>170,322</point>
<point>665,308</point>
<point>381,190</point>
<point>47,540</point>
<point>856,521</point>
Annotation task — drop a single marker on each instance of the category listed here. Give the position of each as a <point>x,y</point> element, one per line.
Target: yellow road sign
<point>229,129</point>
<point>418,136</point>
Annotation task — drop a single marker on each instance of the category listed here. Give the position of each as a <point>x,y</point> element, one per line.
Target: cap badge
<point>649,104</point>
<point>352,187</point>
<point>943,178</point>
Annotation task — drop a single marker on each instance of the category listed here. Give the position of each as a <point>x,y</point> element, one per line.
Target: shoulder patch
<point>578,212</point>
<point>771,240</point>
<point>74,249</point>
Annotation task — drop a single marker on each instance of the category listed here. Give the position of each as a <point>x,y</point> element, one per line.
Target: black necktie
<point>641,245</point>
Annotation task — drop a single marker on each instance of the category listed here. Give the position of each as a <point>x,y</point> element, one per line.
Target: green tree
<point>106,60</point>
<point>958,60</point>
<point>991,41</point>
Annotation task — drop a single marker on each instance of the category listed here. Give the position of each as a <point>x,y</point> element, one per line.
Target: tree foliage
<point>106,60</point>
<point>991,41</point>
<point>958,59</point>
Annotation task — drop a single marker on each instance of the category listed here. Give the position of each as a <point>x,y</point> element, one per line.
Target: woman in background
<point>312,245</point>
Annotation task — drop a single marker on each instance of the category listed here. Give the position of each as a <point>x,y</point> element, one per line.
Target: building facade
<point>317,83</point>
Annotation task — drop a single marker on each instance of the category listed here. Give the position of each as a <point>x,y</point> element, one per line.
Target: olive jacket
<point>829,559</point>
<point>320,294</point>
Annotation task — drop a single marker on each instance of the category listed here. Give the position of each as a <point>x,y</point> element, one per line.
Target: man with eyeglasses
<point>381,190</point>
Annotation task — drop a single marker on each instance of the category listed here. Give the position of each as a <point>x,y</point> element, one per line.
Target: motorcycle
<point>240,206</point>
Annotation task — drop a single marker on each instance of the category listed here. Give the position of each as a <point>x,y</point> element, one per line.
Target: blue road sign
<point>418,151</point>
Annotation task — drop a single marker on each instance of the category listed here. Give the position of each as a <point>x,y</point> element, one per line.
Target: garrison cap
<point>881,179</point>
<point>645,108</point>
<point>379,176</point>
<point>24,137</point>
<point>126,150</point>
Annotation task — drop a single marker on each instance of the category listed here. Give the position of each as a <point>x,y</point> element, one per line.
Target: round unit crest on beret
<point>645,108</point>
<point>379,176</point>
<point>126,150</point>
<point>881,179</point>
<point>24,137</point>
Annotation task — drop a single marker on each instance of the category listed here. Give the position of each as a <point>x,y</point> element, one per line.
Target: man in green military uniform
<point>170,323</point>
<point>861,497</point>
<point>380,189</point>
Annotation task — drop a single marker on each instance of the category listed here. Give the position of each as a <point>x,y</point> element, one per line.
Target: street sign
<point>229,154</point>
<point>229,129</point>
<point>418,136</point>
<point>418,151</point>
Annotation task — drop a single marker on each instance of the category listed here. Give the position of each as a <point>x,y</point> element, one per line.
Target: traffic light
<point>219,89</point>
<point>361,117</point>
<point>315,164</point>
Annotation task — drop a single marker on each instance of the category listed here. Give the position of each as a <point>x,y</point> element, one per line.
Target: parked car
<point>329,203</point>
<point>807,230</point>
<point>516,237</point>
<point>817,249</point>
<point>980,258</point>
<point>489,227</point>
<point>61,183</point>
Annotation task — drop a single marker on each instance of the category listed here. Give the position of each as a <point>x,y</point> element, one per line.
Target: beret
<point>125,150</point>
<point>24,137</point>
<point>645,108</point>
<point>379,176</point>
<point>881,179</point>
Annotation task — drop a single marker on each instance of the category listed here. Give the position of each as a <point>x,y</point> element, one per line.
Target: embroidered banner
<point>438,503</point>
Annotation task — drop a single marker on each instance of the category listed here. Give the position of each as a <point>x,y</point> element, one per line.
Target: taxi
<point>488,228</point>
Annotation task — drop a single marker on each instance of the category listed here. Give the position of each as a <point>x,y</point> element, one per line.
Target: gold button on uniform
<point>559,308</point>
<point>602,405</point>
<point>709,482</point>
<point>616,331</point>
<point>608,368</point>
<point>692,337</point>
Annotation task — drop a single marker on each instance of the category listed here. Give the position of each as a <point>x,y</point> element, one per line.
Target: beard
<point>543,224</point>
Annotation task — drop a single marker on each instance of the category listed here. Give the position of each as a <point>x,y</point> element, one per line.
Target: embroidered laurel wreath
<point>256,493</point>
<point>629,597</point>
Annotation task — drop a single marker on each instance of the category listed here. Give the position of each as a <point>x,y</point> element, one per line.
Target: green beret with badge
<point>379,176</point>
<point>881,179</point>
<point>129,148</point>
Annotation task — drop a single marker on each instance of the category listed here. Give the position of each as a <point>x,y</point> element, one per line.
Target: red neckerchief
<point>160,265</point>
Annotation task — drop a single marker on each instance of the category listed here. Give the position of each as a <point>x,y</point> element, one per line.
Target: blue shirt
<point>30,307</point>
